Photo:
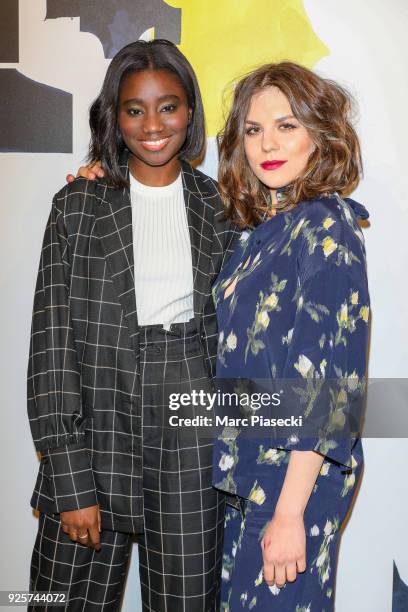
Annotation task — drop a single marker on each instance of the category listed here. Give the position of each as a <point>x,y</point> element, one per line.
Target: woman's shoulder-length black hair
<point>106,143</point>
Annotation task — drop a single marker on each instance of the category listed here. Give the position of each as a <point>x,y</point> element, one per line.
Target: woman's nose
<point>152,123</point>
<point>270,141</point>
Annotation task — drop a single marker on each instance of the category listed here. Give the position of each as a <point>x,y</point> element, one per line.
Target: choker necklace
<point>281,193</point>
<point>273,210</point>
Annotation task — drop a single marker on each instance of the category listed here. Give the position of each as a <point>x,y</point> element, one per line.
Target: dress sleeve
<point>54,381</point>
<point>327,357</point>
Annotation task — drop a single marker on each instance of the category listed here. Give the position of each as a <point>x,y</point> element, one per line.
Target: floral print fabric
<point>292,303</point>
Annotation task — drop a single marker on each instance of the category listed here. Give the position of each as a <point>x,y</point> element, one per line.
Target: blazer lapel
<point>200,218</point>
<point>113,214</point>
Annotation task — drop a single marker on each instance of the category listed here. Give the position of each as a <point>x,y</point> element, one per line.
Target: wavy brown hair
<point>324,108</point>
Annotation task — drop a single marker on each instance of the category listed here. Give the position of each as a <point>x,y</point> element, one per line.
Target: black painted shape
<point>120,22</point>
<point>63,8</point>
<point>34,118</point>
<point>9,31</point>
<point>399,593</point>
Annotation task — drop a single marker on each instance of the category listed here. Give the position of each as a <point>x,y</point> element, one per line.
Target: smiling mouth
<point>155,145</point>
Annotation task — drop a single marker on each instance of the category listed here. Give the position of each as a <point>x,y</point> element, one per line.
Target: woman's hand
<point>83,526</point>
<point>284,549</point>
<point>88,172</point>
<point>284,541</point>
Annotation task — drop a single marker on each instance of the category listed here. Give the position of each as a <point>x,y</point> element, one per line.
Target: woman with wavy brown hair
<point>293,309</point>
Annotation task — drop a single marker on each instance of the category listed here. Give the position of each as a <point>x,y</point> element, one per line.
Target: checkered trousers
<point>180,560</point>
<point>180,549</point>
<point>93,580</point>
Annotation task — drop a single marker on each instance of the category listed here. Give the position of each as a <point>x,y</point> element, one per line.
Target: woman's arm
<point>54,386</point>
<point>284,541</point>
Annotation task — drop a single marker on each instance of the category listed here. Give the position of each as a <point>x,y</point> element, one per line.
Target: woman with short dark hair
<point>122,318</point>
<point>293,310</point>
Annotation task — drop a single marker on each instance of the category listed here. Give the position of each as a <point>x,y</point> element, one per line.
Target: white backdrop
<point>368,54</point>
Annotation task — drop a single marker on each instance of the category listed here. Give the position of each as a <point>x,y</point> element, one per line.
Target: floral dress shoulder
<point>293,303</point>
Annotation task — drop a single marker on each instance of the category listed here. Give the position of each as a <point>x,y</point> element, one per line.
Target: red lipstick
<point>273,165</point>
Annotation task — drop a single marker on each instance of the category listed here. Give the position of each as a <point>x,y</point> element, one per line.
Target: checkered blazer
<point>84,350</point>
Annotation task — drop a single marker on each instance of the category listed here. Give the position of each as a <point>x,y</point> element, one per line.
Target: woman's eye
<point>288,126</point>
<point>134,112</point>
<point>251,131</point>
<point>169,108</point>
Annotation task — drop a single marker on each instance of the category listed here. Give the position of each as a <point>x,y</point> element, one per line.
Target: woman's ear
<point>190,115</point>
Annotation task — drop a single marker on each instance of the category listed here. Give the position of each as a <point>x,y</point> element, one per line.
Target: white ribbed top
<point>162,254</point>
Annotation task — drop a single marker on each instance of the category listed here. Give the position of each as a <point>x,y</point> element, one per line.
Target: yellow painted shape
<point>225,39</point>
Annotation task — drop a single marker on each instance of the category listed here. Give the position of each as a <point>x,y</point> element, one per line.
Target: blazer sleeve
<point>223,237</point>
<point>54,381</point>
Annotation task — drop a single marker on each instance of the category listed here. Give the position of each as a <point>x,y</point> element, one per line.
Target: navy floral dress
<point>292,303</point>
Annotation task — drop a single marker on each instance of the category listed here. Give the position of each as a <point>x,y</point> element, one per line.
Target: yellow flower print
<point>350,480</point>
<point>329,246</point>
<point>271,301</point>
<point>328,222</point>
<point>232,341</point>
<point>229,345</point>
<point>321,559</point>
<point>343,315</point>
<point>266,304</point>
<point>326,575</point>
<point>354,298</point>
<point>259,579</point>
<point>257,494</point>
<point>304,366</point>
<point>296,230</point>
<point>352,381</point>
<point>270,454</point>
<point>263,319</point>
<point>364,313</point>
<point>342,397</point>
<point>324,470</point>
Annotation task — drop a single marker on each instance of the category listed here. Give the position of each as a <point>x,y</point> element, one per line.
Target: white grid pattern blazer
<point>84,350</point>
